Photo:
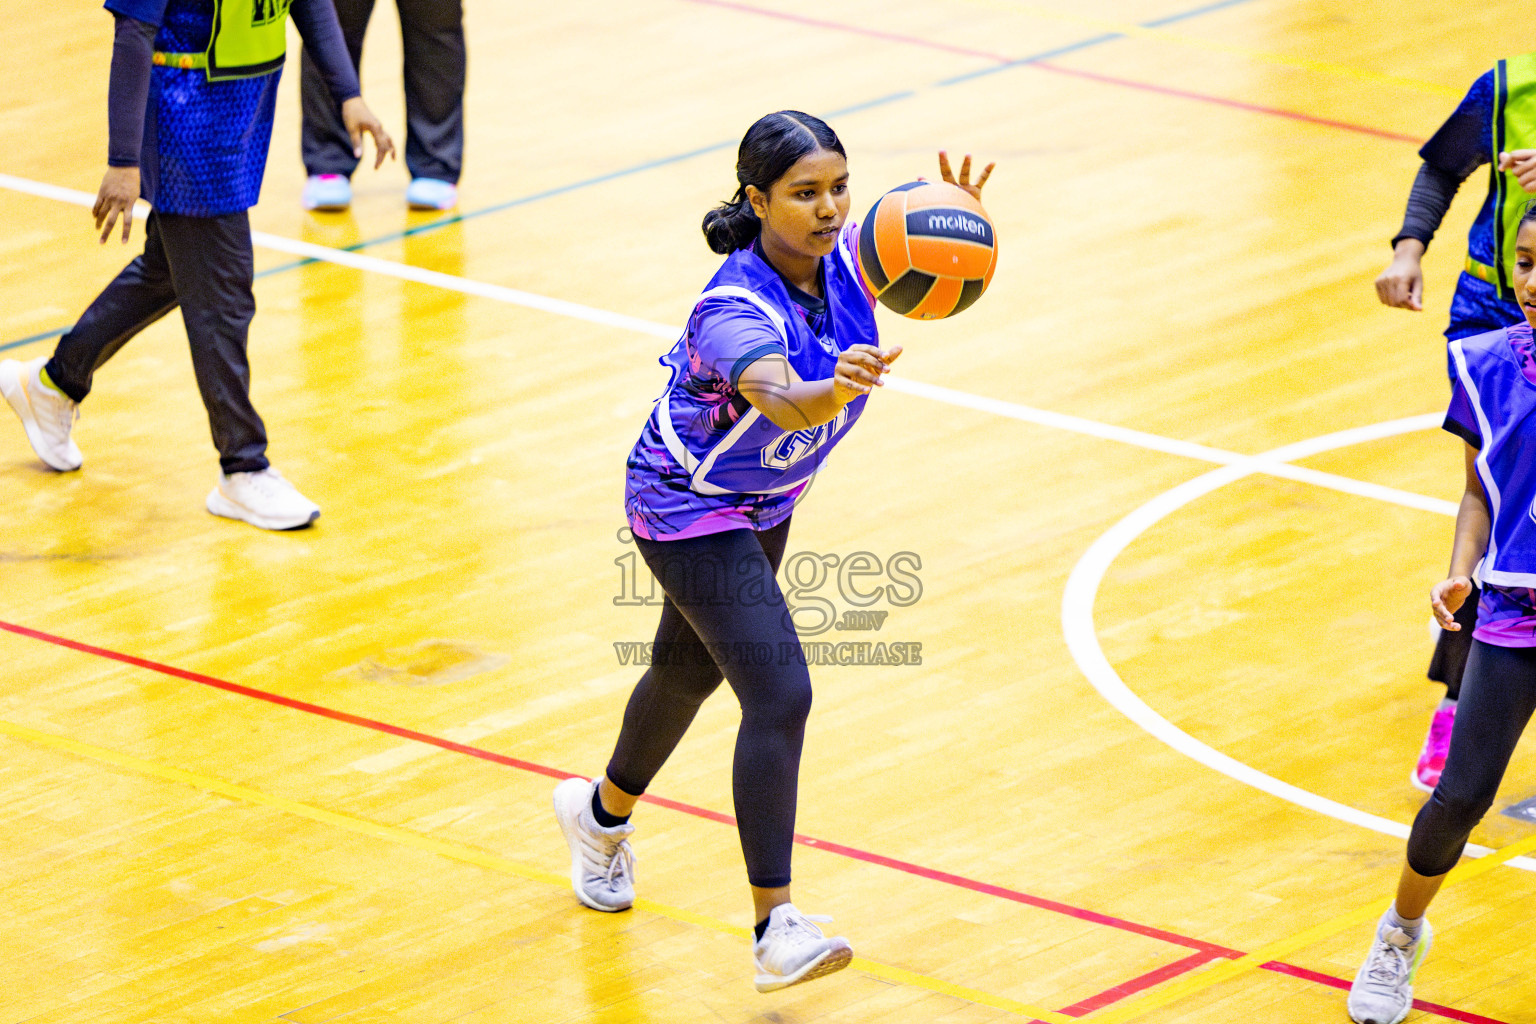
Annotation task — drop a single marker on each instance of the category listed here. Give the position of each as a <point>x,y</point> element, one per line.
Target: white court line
<point>1271,464</point>
<point>404,272</point>
<point>1082,636</point>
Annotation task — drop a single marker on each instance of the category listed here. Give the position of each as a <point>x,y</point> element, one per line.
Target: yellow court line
<point>1180,39</point>
<point>1275,950</point>
<point>479,858</point>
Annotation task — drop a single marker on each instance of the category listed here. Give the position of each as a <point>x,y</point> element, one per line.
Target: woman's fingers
<point>1457,587</point>
<point>862,364</point>
<point>383,145</point>
<point>1443,615</point>
<point>108,213</point>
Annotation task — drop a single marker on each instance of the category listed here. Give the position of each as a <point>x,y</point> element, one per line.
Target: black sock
<point>605,819</point>
<point>760,927</point>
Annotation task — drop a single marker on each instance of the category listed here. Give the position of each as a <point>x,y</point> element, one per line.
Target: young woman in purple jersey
<point>1470,138</point>
<point>1493,409</point>
<point>777,361</point>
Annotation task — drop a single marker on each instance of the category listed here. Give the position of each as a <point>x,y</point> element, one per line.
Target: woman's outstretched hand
<point>859,369</point>
<point>1446,597</point>
<point>964,181</point>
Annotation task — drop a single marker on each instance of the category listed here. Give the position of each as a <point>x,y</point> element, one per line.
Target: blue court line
<point>690,154</point>
<point>1195,13</point>
<point>1036,58</point>
<point>867,104</point>
<point>680,157</point>
<point>523,201</point>
<point>34,338</point>
<point>1095,41</point>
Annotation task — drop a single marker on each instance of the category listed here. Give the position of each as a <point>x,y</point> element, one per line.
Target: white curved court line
<point>1082,636</point>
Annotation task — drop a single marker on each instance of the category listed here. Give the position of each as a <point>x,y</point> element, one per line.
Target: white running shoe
<point>602,861</point>
<point>1383,988</point>
<point>46,414</point>
<point>262,499</point>
<point>793,950</point>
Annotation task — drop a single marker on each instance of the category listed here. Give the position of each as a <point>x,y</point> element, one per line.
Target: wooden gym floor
<point>1172,493</point>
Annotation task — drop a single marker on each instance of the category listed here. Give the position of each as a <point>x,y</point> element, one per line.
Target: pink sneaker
<point>1426,774</point>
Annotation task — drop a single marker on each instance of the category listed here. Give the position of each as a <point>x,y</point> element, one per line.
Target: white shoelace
<point>616,856</point>
<point>66,412</point>
<point>621,862</point>
<point>807,924</point>
<point>1388,965</point>
<point>269,482</point>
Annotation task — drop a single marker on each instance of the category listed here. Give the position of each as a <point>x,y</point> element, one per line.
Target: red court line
<point>1205,950</point>
<point>1129,988</point>
<point>959,881</point>
<point>1219,101</point>
<point>890,37</point>
<point>1339,983</point>
<point>997,58</point>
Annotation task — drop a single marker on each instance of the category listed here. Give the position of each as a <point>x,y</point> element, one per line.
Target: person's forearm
<point>321,32</point>
<point>796,405</point>
<point>1428,200</point>
<point>1472,528</point>
<point>133,47</point>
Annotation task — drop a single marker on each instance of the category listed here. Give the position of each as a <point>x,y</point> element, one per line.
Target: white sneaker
<point>1383,988</point>
<point>793,950</point>
<point>602,861</point>
<point>262,499</point>
<point>46,415</point>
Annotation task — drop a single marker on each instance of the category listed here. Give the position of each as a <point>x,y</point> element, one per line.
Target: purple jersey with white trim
<point>1493,408</point>
<point>707,461</point>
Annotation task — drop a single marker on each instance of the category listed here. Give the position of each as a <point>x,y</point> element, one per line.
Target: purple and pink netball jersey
<point>1493,408</point>
<point>707,461</point>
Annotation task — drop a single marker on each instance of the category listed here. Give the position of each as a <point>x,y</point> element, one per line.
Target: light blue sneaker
<point>432,194</point>
<point>327,192</point>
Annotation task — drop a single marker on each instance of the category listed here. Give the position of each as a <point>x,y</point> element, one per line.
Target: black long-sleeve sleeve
<point>1428,201</point>
<point>321,32</point>
<point>133,48</point>
<point>1459,146</point>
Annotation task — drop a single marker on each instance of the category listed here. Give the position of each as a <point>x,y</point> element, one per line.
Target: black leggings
<point>725,617</point>
<point>1498,696</point>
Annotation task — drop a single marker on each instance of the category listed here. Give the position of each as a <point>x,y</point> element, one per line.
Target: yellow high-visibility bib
<point>1514,127</point>
<point>250,38</point>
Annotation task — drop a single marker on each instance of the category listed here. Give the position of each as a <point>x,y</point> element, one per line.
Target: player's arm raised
<point>964,180</point>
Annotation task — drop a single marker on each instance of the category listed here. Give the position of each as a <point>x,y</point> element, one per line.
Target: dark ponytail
<point>769,149</point>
